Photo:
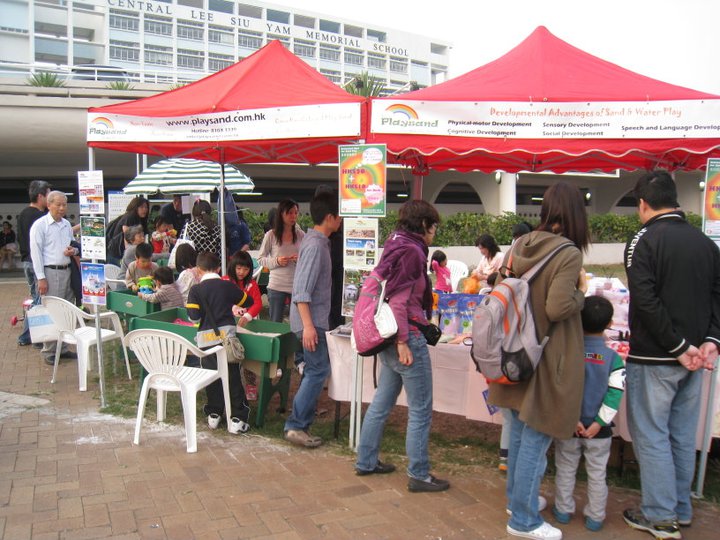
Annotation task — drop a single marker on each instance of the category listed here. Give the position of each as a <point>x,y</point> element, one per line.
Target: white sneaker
<point>543,532</point>
<point>238,426</point>
<point>542,505</point>
<point>214,421</point>
<point>301,368</point>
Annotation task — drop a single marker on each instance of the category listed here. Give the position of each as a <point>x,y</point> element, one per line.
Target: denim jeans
<point>32,285</point>
<point>276,304</point>
<point>317,369</point>
<point>663,408</point>
<point>527,459</point>
<point>417,380</point>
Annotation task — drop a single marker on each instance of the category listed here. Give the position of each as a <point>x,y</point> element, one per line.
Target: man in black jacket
<point>673,273</point>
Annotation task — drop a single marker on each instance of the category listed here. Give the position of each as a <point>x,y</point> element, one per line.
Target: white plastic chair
<point>70,322</point>
<point>163,354</point>
<point>458,270</point>
<point>114,277</point>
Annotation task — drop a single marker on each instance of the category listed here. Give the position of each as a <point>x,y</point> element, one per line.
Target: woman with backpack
<point>406,363</point>
<point>548,404</point>
<point>136,213</point>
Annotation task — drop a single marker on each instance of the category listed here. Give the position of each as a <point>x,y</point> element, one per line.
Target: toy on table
<point>146,285</point>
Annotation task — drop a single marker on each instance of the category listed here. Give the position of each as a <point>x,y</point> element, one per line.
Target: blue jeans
<point>663,408</point>
<point>276,304</point>
<point>32,285</point>
<point>317,369</point>
<point>527,460</point>
<point>417,380</point>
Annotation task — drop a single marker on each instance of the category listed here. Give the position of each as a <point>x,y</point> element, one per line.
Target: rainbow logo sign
<point>403,110</point>
<point>103,122</point>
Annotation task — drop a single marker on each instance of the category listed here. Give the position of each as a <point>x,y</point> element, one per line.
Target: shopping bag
<point>42,327</point>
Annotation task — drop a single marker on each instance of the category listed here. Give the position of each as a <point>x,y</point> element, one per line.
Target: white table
<point>457,386</point>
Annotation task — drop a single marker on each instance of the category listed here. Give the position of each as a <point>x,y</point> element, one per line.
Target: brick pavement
<point>69,472</point>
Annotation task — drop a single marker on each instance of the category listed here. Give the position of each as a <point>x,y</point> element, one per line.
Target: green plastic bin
<point>263,354</point>
<point>125,302</point>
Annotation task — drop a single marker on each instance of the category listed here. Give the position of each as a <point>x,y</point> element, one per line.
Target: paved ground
<point>69,472</point>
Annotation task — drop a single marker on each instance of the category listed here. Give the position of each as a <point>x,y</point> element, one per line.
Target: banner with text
<point>711,208</point>
<point>520,120</point>
<point>330,120</point>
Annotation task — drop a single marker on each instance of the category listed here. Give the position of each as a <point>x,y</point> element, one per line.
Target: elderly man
<point>50,250</point>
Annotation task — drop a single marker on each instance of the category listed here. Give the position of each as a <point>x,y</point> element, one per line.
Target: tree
<point>364,84</point>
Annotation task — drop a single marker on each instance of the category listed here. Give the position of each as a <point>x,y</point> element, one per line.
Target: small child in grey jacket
<point>167,294</point>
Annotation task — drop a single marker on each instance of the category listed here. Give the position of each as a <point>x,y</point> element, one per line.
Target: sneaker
<point>431,484</point>
<point>380,468</point>
<point>214,420</point>
<point>238,426</point>
<point>502,464</point>
<point>543,532</point>
<point>301,368</point>
<point>592,525</point>
<point>542,505</point>
<point>561,517</point>
<point>49,359</point>
<point>302,438</point>
<point>684,522</point>
<point>23,343</point>
<point>659,529</point>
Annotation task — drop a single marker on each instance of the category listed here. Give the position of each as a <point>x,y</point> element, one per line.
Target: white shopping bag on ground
<point>42,327</point>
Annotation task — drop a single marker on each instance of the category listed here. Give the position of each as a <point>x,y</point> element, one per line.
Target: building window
<point>222,6</point>
<point>398,65</point>
<point>216,61</point>
<point>329,26</point>
<point>190,3</point>
<point>333,76</point>
<point>282,39</point>
<point>376,61</point>
<point>354,57</point>
<point>245,10</point>
<point>221,34</point>
<point>376,35</point>
<point>328,52</point>
<point>187,58</point>
<point>190,30</point>
<point>124,50</point>
<point>282,17</point>
<point>249,40</point>
<point>161,26</point>
<point>161,56</point>
<point>304,21</point>
<point>124,20</point>
<point>436,48</point>
<point>304,48</point>
<point>354,31</point>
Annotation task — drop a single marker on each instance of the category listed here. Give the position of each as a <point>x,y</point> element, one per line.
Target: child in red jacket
<point>240,269</point>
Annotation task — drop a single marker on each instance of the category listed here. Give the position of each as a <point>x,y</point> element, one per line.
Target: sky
<point>676,41</point>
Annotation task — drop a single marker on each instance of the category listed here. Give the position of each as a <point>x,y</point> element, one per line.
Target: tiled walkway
<point>67,471</point>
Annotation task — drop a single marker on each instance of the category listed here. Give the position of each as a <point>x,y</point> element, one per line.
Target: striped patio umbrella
<point>171,176</point>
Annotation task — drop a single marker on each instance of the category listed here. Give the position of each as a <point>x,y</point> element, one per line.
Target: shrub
<point>45,79</point>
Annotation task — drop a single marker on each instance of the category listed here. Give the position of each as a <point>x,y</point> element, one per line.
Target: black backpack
<point>114,238</point>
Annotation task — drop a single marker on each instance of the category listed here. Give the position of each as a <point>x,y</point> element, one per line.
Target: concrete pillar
<point>507,199</point>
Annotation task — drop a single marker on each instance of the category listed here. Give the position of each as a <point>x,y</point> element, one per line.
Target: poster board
<point>363,180</point>
<point>360,256</point>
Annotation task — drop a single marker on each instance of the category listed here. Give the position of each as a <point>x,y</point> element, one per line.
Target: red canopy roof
<point>544,70</point>
<point>272,80</point>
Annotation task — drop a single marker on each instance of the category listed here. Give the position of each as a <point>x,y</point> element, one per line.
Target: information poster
<point>92,237</point>
<point>360,256</point>
<point>117,203</point>
<point>94,286</point>
<point>711,206</point>
<point>90,189</point>
<point>363,180</point>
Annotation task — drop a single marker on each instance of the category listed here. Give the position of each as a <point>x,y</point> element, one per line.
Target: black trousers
<point>215,402</point>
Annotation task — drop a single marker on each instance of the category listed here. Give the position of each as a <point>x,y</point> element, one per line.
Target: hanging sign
<point>711,204</point>
<point>92,239</point>
<point>363,180</point>
<point>360,255</point>
<point>94,286</point>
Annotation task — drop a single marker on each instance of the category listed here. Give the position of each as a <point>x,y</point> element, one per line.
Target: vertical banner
<point>92,239</point>
<point>90,190</point>
<point>94,286</point>
<point>711,205</point>
<point>363,180</point>
<point>360,255</point>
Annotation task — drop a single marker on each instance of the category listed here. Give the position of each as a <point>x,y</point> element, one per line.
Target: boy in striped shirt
<point>603,390</point>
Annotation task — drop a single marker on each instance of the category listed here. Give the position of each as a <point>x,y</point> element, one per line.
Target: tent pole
<point>707,435</point>
<point>221,198</point>
<point>417,187</point>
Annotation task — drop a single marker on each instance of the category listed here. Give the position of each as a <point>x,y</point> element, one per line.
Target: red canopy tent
<point>547,105</point>
<point>269,107</point>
